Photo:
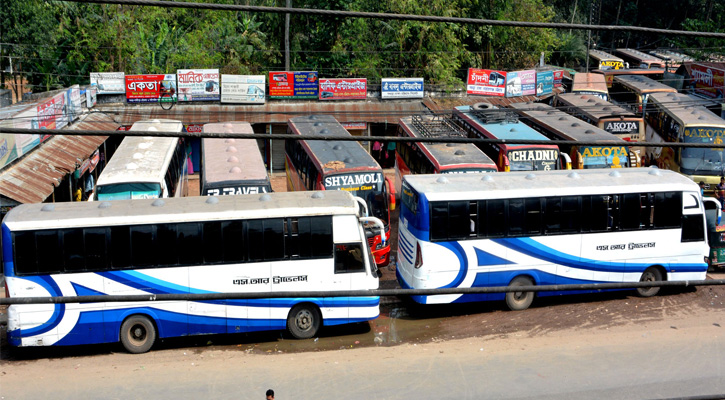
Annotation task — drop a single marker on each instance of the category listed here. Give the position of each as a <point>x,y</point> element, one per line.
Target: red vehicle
<point>340,165</point>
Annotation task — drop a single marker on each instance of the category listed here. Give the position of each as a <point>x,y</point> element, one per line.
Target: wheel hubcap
<point>304,320</point>
<point>138,333</point>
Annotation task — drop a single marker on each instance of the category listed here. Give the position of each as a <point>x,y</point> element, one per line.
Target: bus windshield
<point>709,161</point>
<point>467,170</point>
<point>533,159</point>
<point>128,191</point>
<point>604,157</point>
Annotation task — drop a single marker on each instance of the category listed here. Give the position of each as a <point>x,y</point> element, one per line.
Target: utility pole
<point>589,33</point>
<point>286,37</point>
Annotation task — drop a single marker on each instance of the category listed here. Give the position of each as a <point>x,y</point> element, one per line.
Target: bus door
<point>349,263</point>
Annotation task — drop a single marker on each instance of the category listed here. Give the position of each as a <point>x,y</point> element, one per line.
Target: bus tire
<point>303,321</point>
<point>138,334</point>
<point>651,274</point>
<point>517,301</point>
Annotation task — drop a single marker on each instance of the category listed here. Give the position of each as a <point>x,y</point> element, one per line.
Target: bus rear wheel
<point>303,321</point>
<point>652,274</point>
<point>517,301</point>
<point>138,334</point>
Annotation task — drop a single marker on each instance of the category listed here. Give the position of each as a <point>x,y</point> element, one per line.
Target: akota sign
<point>150,88</point>
<point>486,82</point>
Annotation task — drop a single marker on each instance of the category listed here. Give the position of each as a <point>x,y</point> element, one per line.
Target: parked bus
<point>146,167</point>
<point>673,59</point>
<point>275,242</point>
<point>590,83</point>
<point>632,91</point>
<point>653,73</point>
<point>640,59</point>
<point>232,166</point>
<point>614,119</point>
<point>436,158</point>
<point>605,61</point>
<point>679,118</point>
<point>485,122</point>
<point>558,227</point>
<point>558,125</point>
<point>340,165</point>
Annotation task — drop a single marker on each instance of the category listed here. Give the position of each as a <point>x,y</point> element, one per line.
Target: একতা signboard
<point>544,82</point>
<point>243,89</point>
<point>343,88</point>
<point>293,85</point>
<point>151,88</point>
<point>109,82</point>
<point>486,82</point>
<point>401,88</point>
<point>708,81</point>
<point>198,84</point>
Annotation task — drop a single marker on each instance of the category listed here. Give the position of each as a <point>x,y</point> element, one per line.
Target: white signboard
<point>198,84</point>
<point>109,82</point>
<point>91,96</point>
<point>245,89</point>
<point>401,88</point>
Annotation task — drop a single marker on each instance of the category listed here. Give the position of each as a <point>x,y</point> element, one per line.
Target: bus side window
<point>349,258</point>
<point>25,253</point>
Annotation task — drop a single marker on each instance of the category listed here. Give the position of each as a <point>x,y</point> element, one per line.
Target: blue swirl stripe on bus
<point>485,258</point>
<point>85,291</point>
<point>456,248</point>
<point>58,309</point>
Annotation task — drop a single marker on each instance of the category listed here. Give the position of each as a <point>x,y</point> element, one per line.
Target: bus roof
<point>687,110</point>
<point>444,154</point>
<point>602,56</point>
<point>330,153</point>
<point>566,126</point>
<point>521,184</point>
<point>506,128</point>
<point>180,209</point>
<point>231,160</point>
<point>594,107</point>
<point>590,82</point>
<point>643,84</point>
<point>671,56</point>
<point>640,55</point>
<point>142,158</point>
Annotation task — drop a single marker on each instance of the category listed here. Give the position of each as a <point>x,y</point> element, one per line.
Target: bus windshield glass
<point>467,170</point>
<point>128,191</point>
<point>604,157</point>
<point>533,159</point>
<point>696,160</point>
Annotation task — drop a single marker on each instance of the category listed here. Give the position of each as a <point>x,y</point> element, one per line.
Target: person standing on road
<point>270,394</point>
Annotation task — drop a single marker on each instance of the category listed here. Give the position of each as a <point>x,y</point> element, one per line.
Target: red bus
<point>486,122</point>
<point>340,165</point>
<point>436,158</point>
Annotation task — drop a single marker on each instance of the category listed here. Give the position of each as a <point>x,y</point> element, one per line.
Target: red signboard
<point>281,84</point>
<point>343,89</point>
<point>558,77</point>
<point>354,125</point>
<point>709,81</point>
<point>149,88</point>
<point>194,128</point>
<point>486,82</point>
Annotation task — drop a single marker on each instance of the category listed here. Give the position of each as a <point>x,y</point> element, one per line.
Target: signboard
<point>245,89</point>
<point>544,83</point>
<point>150,88</point>
<point>109,82</point>
<point>293,85</point>
<point>343,88</point>
<point>354,125</point>
<point>622,126</point>
<point>709,81</point>
<point>486,82</point>
<point>198,84</point>
<point>91,96</point>
<point>528,82</point>
<point>51,114</point>
<point>558,78</point>
<point>401,88</point>
<point>8,152</point>
<point>355,182</point>
<point>613,157</point>
<point>194,128</point>
<point>73,100</point>
<point>513,84</point>
<point>704,135</point>
<point>611,64</point>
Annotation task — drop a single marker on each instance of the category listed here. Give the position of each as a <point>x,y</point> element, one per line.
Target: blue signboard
<point>306,85</point>
<point>544,82</point>
<point>401,88</point>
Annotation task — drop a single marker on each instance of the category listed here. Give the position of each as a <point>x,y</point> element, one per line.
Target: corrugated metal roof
<point>441,104</point>
<point>277,113</point>
<point>34,177</point>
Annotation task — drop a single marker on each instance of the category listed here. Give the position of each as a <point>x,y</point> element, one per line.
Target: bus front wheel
<point>652,274</point>
<point>517,301</point>
<point>303,321</point>
<point>138,334</point>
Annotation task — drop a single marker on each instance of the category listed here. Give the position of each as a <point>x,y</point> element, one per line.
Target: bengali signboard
<point>544,83</point>
<point>558,78</point>
<point>486,82</point>
<point>109,82</point>
<point>343,88</point>
<point>293,85</point>
<point>198,84</point>
<point>52,113</point>
<point>528,82</point>
<point>193,128</point>
<point>91,96</point>
<point>354,125</point>
<point>709,81</point>
<point>150,88</point>
<point>401,88</point>
<point>73,101</point>
<point>245,89</point>
<point>513,84</point>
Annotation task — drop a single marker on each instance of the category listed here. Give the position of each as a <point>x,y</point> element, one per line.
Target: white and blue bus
<point>548,228</point>
<point>146,167</point>
<point>302,241</point>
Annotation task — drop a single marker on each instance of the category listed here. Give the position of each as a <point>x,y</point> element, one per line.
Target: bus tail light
<point>391,193</point>
<point>418,256</point>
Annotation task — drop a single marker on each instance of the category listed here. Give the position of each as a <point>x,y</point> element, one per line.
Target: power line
<point>393,16</point>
